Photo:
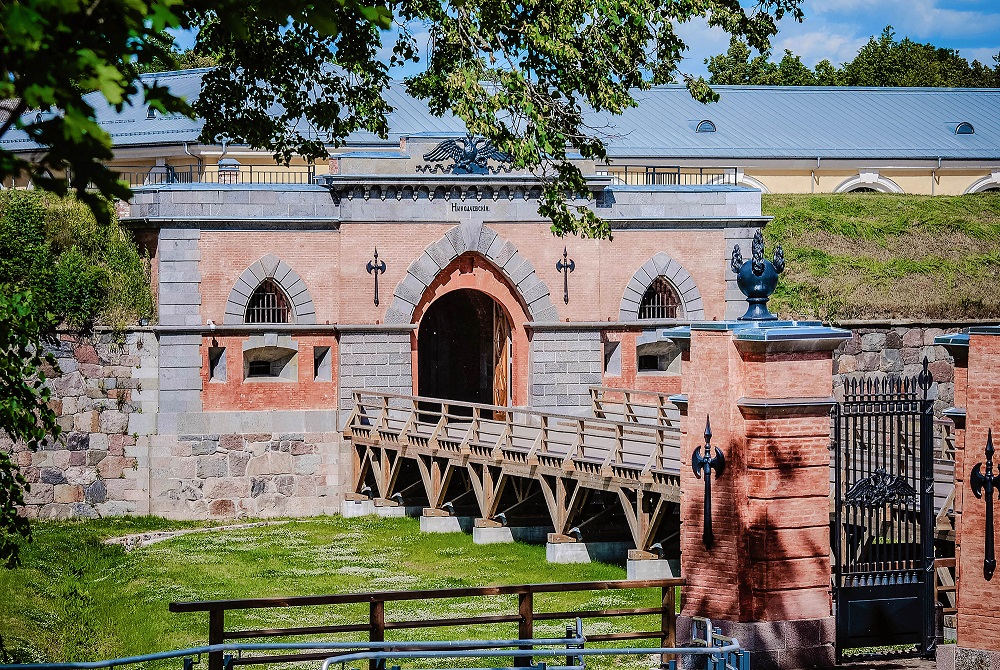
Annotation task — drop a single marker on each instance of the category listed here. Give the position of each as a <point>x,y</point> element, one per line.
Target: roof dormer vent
<point>705,126</point>
<point>964,128</point>
<point>150,113</point>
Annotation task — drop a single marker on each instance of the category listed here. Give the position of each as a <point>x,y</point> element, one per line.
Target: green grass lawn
<point>877,255</point>
<point>77,598</point>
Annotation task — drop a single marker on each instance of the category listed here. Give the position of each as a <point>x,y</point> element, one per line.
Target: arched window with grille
<point>660,301</point>
<point>268,304</point>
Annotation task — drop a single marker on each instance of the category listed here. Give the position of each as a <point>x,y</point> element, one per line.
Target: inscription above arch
<point>662,265</point>
<point>461,239</point>
<point>273,268</point>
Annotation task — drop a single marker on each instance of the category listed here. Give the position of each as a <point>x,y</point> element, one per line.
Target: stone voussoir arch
<point>991,182</point>
<point>662,265</point>
<point>460,240</point>
<point>273,268</point>
<point>874,181</point>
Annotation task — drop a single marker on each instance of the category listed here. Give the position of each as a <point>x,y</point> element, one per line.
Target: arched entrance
<point>464,349</point>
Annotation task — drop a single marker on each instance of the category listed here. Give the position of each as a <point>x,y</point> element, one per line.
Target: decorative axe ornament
<point>703,464</point>
<point>985,485</point>
<point>470,155</point>
<point>565,266</point>
<point>376,268</point>
<point>757,278</point>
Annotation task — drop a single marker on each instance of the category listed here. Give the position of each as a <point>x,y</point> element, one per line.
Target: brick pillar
<point>766,580</point>
<point>977,386</point>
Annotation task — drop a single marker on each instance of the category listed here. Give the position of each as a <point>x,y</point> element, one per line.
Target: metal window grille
<point>660,301</point>
<point>268,304</point>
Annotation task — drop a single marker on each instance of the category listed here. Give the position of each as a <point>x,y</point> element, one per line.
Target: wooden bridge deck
<point>516,465</point>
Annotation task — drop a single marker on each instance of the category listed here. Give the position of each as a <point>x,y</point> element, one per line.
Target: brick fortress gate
<point>276,317</point>
<point>234,402</point>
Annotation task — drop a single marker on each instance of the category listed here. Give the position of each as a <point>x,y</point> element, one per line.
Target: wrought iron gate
<point>884,513</point>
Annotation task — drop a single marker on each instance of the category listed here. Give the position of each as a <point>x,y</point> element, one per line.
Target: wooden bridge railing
<point>634,406</point>
<point>378,623</point>
<point>625,448</point>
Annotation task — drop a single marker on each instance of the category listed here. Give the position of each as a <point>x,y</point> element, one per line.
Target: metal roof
<point>751,122</point>
<point>810,122</point>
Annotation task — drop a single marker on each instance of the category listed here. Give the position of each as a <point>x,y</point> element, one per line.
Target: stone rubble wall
<point>882,350</point>
<point>106,402</point>
<point>110,461</point>
<point>246,475</point>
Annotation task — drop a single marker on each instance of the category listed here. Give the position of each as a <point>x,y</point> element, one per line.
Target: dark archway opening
<point>463,349</point>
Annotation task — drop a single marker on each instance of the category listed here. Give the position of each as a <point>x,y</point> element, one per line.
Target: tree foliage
<point>882,61</point>
<point>296,77</point>
<point>24,415</point>
<point>79,270</point>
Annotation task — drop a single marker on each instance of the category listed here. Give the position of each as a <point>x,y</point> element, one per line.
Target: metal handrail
<point>734,645</point>
<point>664,175</point>
<point>416,649</point>
<point>452,645</point>
<point>157,175</point>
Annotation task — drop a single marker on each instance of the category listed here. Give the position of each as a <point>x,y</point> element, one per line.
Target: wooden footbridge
<point>610,476</point>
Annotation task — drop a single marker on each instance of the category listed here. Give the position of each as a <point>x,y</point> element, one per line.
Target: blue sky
<point>836,29</point>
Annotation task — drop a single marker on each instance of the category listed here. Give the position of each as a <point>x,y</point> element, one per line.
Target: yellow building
<point>926,141</point>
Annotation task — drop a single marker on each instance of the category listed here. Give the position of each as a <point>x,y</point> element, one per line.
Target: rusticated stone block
<point>212,466</point>
<point>67,493</point>
<point>238,461</point>
<point>223,508</point>
<point>78,441</point>
<point>52,476</point>
<point>231,442</point>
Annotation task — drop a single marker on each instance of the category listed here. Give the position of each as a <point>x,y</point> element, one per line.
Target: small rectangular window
<point>259,369</point>
<point>217,364</point>
<point>649,363</point>
<point>322,368</point>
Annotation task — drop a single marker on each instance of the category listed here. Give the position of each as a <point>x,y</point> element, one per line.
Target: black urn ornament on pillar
<point>757,278</point>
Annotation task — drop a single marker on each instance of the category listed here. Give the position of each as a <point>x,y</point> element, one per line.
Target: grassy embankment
<point>876,256</point>
<point>80,599</point>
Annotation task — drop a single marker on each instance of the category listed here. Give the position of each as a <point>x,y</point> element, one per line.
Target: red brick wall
<point>978,618</point>
<point>603,268</point>
<point>332,264</point>
<point>770,508</point>
<point>238,394</point>
<point>630,377</point>
<point>315,256</point>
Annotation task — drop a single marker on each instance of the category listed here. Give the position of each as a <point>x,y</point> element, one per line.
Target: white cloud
<point>814,46</point>
<point>703,42</point>
<point>984,55</point>
<point>930,20</point>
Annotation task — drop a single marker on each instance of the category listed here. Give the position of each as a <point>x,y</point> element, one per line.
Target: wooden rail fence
<point>378,623</point>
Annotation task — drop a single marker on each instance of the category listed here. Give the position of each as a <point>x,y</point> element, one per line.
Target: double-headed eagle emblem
<point>880,489</point>
<point>470,155</point>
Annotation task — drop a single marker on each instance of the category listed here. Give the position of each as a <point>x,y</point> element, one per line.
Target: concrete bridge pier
<point>441,521</point>
<point>393,508</point>
<point>490,531</point>
<point>648,565</point>
<point>355,506</point>
<point>567,549</point>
